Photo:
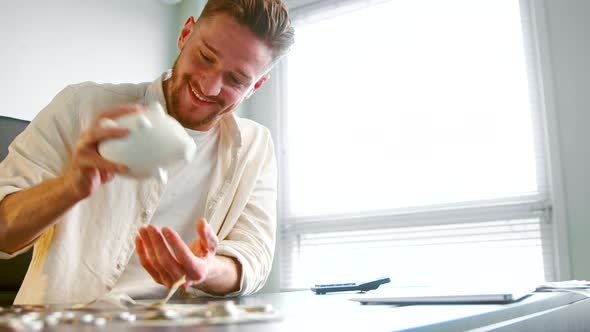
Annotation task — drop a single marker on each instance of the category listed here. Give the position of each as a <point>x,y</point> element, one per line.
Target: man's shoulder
<point>251,125</point>
<point>132,90</point>
<point>253,133</point>
<point>252,130</point>
<point>88,99</point>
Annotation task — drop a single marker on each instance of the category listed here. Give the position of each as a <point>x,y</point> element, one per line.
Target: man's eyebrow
<point>240,72</point>
<point>211,48</point>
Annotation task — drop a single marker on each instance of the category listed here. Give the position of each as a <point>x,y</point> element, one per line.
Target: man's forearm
<point>223,277</point>
<point>26,214</point>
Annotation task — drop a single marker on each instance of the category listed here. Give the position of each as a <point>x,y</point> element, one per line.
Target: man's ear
<point>258,84</point>
<point>186,32</point>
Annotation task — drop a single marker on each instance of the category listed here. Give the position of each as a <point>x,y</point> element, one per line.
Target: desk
<point>305,311</point>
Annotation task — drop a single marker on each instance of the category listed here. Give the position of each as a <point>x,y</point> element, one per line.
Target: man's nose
<point>211,84</point>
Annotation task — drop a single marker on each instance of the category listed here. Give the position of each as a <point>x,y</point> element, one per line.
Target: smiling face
<point>220,63</point>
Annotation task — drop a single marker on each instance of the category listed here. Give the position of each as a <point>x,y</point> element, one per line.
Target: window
<point>413,146</point>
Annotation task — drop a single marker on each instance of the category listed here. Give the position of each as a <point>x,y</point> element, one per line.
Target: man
<point>95,231</point>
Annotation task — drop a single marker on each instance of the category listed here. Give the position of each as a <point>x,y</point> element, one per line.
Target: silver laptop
<point>438,295</point>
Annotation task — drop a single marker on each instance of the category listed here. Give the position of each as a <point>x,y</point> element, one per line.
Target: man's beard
<point>176,84</point>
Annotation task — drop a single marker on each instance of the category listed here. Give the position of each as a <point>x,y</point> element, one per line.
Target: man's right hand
<point>88,169</point>
<point>28,213</point>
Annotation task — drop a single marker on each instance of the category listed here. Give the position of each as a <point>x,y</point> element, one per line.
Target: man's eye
<point>235,80</point>
<point>206,58</point>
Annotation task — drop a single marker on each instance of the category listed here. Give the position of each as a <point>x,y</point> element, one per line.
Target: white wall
<point>569,46</point>
<point>184,10</point>
<point>46,45</point>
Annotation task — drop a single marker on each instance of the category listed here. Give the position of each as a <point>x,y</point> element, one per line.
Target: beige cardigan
<point>82,256</point>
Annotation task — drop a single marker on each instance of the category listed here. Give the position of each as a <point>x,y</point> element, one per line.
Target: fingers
<point>145,260</point>
<point>162,258</point>
<point>88,169</point>
<point>86,151</point>
<point>208,238</point>
<point>167,258</point>
<point>165,275</point>
<point>95,134</point>
<point>106,176</point>
<point>193,268</point>
<point>88,157</point>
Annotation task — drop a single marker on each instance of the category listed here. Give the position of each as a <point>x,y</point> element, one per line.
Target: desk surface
<point>305,311</point>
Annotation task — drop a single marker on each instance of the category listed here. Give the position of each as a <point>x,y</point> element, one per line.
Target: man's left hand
<point>167,258</point>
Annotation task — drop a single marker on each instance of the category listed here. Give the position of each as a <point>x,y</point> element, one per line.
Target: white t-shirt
<point>182,204</point>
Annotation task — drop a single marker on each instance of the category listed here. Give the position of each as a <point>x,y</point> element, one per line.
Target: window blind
<point>506,251</point>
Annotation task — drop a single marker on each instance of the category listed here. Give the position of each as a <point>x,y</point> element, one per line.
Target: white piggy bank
<point>155,140</point>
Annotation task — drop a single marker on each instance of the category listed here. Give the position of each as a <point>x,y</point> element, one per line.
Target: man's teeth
<point>197,95</point>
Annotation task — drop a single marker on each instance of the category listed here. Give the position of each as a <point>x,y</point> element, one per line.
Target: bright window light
<point>413,146</point>
<point>407,104</point>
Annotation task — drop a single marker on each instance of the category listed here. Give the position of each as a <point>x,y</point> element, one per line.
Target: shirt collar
<point>155,92</point>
